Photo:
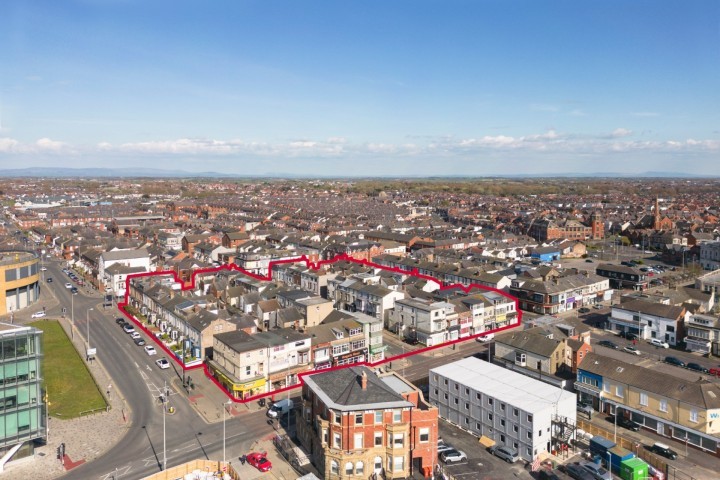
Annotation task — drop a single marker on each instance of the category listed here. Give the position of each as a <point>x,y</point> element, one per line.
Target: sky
<point>362,88</point>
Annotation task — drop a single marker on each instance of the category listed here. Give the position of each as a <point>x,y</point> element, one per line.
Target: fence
<point>205,469</point>
<point>638,449</point>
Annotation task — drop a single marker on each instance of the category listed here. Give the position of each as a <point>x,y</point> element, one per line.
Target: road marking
<point>143,375</point>
<point>117,473</point>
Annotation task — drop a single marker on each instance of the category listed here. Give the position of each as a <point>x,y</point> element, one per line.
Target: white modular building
<point>505,406</point>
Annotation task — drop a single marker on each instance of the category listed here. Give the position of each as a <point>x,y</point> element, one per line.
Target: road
<point>140,452</point>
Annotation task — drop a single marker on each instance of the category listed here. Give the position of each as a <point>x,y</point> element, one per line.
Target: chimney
<point>363,380</point>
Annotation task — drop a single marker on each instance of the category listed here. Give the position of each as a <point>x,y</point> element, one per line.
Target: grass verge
<point>70,386</point>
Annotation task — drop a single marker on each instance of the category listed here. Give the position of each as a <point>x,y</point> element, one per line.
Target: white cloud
<point>621,132</point>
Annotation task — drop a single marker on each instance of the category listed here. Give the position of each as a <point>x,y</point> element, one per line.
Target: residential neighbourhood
<point>370,337</point>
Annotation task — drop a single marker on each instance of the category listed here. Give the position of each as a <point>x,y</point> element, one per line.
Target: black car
<point>120,321</point>
<point>139,342</point>
<point>629,336</point>
<point>625,423</point>
<point>583,310</point>
<point>74,290</point>
<point>49,280</point>
<point>664,450</point>
<point>608,344</point>
<point>574,470</point>
<point>547,475</point>
<point>697,367</point>
<point>674,361</point>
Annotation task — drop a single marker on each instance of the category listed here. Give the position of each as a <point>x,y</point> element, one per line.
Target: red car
<point>259,461</point>
<point>714,371</point>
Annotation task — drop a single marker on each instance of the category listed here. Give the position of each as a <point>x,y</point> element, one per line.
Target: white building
<point>648,320</point>
<point>710,255</point>
<point>505,406</point>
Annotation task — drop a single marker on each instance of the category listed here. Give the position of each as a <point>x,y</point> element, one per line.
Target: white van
<point>659,343</point>
<point>280,408</point>
<point>486,337</point>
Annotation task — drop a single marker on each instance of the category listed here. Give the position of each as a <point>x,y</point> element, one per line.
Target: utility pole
<point>87,320</point>
<point>72,316</point>
<point>165,399</point>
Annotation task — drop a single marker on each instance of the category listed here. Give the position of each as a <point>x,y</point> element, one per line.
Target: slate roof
<point>125,254</point>
<point>529,342</point>
<point>698,392</point>
<point>342,390</point>
<point>652,308</point>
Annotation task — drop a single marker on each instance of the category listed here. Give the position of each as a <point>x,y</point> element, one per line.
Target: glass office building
<point>22,409</point>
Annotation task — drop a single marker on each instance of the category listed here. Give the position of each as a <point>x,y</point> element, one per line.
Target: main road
<point>136,376</point>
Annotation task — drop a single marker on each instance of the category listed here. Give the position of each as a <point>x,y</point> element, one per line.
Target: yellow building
<point>19,280</point>
<point>683,408</point>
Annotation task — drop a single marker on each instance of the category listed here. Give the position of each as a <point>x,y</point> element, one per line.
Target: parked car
<point>545,474</point>
<point>597,306</point>
<point>574,470</point>
<point>508,454</point>
<point>37,315</point>
<point>664,450</point>
<point>697,367</point>
<point>139,341</point>
<point>597,472</point>
<point>120,321</point>
<point>49,280</point>
<point>453,456</point>
<point>714,371</point>
<point>135,335</point>
<point>632,350</point>
<point>625,423</point>
<point>128,328</point>
<point>583,310</point>
<point>68,285</point>
<point>444,447</point>
<point>659,343</point>
<point>74,290</point>
<point>675,361</point>
<point>486,337</point>
<point>150,350</point>
<point>162,363</point>
<point>585,407</point>
<point>629,336</point>
<point>608,344</point>
<point>259,460</point>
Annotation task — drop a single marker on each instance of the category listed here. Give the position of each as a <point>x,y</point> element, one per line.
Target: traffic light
<point>59,453</point>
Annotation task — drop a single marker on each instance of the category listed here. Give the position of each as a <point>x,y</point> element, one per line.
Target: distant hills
<point>62,172</point>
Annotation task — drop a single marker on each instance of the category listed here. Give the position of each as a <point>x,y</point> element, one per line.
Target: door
<point>661,428</point>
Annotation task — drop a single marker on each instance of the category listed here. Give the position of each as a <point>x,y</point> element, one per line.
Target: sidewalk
<point>86,438</point>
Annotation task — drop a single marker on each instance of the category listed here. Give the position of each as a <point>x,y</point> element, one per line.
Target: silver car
<point>508,454</point>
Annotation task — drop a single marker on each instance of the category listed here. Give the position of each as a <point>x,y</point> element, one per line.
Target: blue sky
<point>478,87</point>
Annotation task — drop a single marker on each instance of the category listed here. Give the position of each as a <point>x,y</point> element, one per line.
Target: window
<point>643,399</point>
<point>490,401</point>
<point>456,387</point>
<point>467,391</point>
<point>539,433</point>
<point>502,422</point>
<point>445,396</point>
<point>398,464</point>
<point>398,440</point>
<point>377,463</point>
<point>693,415</point>
<point>334,467</point>
<point>490,416</point>
<point>248,370</point>
<point>467,406</point>
<point>663,405</point>
<point>397,416</point>
<point>606,388</point>
<point>359,468</point>
<point>336,418</point>
<point>502,407</point>
<point>455,400</point>
<point>358,419</point>
<point>349,468</point>
<point>325,436</point>
<point>358,441</point>
<point>515,412</point>
<point>378,439</point>
<point>379,416</point>
<point>515,428</point>
<point>530,418</point>
<point>336,440</point>
<point>619,390</point>
<point>502,438</point>
<point>424,435</point>
<point>478,396</point>
<point>529,434</point>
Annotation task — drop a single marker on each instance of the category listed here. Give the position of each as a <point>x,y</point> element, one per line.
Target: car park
<point>162,363</point>
<point>37,315</point>
<point>664,450</point>
<point>150,350</point>
<point>631,350</point>
<point>608,344</point>
<point>675,361</point>
<point>575,471</point>
<point>259,461</point>
<point>128,328</point>
<point>659,343</point>
<point>139,341</point>
<point>453,456</point>
<point>597,472</point>
<point>697,367</point>
<point>508,454</point>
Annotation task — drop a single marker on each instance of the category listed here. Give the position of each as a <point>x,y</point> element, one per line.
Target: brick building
<point>355,423</point>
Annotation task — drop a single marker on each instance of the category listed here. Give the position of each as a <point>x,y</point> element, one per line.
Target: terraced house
<point>686,409</point>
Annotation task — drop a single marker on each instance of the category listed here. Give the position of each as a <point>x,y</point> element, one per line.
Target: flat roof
<point>505,385</point>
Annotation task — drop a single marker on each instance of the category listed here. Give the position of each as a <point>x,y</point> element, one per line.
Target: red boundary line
<point>313,266</point>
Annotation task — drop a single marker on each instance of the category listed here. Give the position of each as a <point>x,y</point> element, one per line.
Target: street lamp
<point>166,393</point>
<point>225,404</point>
<point>87,320</point>
<point>72,316</point>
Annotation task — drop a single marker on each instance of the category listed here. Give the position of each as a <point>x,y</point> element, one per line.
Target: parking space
<point>480,464</point>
